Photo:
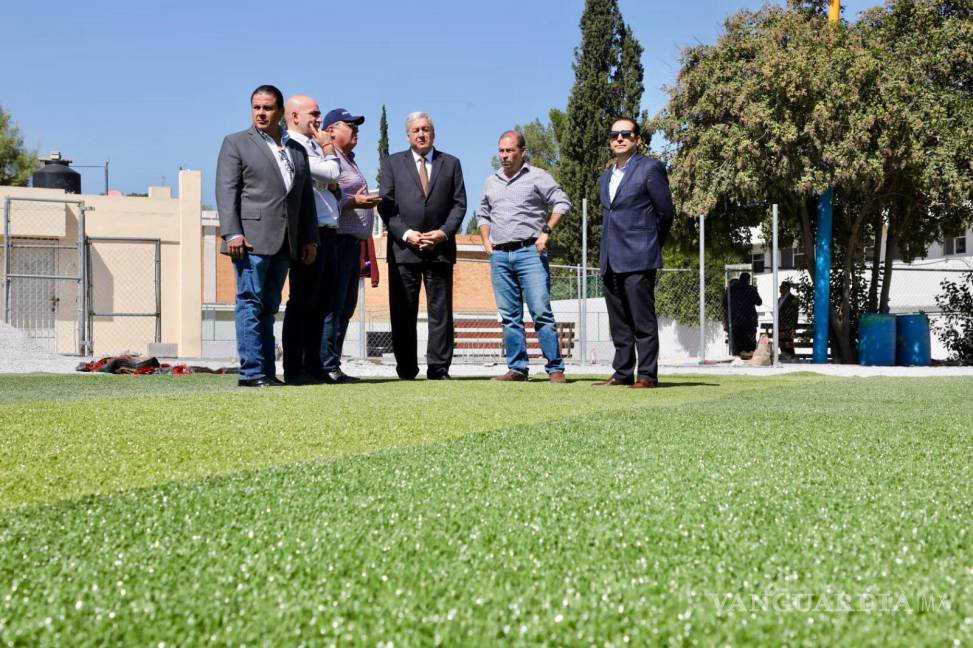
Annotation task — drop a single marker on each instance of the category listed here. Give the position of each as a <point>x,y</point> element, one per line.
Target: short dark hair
<point>273,91</point>
<point>521,141</point>
<point>635,125</point>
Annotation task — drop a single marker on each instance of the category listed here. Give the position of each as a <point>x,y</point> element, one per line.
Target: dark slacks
<point>630,299</point>
<point>404,282</point>
<point>342,300</point>
<point>306,308</point>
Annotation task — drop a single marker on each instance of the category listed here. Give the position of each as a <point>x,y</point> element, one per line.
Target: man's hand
<point>430,240</point>
<point>414,240</point>
<point>308,253</point>
<point>487,246</point>
<point>238,247</point>
<point>541,243</point>
<point>362,200</point>
<point>322,137</point>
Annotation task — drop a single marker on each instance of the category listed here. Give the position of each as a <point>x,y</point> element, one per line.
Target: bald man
<point>308,299</point>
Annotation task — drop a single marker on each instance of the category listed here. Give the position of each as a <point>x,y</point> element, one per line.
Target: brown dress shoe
<point>643,383</point>
<point>611,382</point>
<point>557,377</point>
<point>512,376</point>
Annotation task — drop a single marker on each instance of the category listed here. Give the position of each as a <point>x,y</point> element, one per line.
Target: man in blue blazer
<point>637,213</point>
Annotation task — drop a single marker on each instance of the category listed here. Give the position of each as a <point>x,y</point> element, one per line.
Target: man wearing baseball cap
<point>354,226</point>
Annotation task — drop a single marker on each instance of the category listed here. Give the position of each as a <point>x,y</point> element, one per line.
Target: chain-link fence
<point>43,283</point>
<point>124,294</point>
<point>582,323</point>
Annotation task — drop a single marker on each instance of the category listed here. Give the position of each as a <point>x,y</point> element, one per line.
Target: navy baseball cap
<point>340,114</point>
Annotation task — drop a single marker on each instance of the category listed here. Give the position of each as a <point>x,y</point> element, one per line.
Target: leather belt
<point>516,245</point>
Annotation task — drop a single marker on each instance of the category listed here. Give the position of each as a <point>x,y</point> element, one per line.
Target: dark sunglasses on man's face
<point>626,134</point>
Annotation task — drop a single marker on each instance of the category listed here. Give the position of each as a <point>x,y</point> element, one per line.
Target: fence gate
<point>124,294</point>
<point>43,263</point>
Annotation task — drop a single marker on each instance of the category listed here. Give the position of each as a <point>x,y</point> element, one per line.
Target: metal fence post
<point>774,260</point>
<point>702,289</point>
<point>7,247</point>
<point>583,328</point>
<point>158,291</point>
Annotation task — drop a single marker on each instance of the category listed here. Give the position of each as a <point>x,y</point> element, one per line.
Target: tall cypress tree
<point>629,76</point>
<point>383,143</point>
<point>608,83</point>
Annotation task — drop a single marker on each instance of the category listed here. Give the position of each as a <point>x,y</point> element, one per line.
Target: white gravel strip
<point>20,354</point>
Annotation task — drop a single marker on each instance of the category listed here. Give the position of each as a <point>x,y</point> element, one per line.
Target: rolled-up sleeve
<point>557,200</point>
<point>485,214</point>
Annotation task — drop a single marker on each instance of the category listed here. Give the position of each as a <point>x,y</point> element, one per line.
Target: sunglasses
<point>625,134</point>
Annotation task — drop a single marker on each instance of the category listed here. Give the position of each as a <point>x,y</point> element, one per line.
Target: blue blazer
<point>636,223</point>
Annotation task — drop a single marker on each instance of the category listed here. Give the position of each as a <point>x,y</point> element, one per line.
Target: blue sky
<point>154,85</point>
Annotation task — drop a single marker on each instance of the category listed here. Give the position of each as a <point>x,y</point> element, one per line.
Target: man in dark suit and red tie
<point>637,212</point>
<point>423,204</point>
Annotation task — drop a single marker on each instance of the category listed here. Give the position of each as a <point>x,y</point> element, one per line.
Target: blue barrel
<point>876,339</point>
<point>912,340</point>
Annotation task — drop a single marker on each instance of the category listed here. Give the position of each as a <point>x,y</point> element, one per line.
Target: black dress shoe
<point>339,377</point>
<point>444,376</point>
<point>277,382</point>
<point>257,382</point>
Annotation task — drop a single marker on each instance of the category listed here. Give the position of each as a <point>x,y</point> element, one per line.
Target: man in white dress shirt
<point>308,298</point>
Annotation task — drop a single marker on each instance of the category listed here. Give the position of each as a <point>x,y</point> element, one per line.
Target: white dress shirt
<point>282,155</point>
<point>429,171</point>
<point>325,169</point>
<point>616,179</point>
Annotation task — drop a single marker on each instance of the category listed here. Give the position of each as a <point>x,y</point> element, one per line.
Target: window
<point>955,244</point>
<point>757,260</point>
<point>799,259</point>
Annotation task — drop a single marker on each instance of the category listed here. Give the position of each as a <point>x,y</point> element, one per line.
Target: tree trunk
<point>876,260</point>
<point>891,246</point>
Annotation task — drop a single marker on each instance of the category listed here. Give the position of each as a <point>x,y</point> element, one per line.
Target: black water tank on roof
<point>57,174</point>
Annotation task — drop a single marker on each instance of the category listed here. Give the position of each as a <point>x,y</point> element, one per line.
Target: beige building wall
<point>123,273</point>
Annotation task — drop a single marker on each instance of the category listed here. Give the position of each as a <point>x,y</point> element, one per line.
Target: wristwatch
<point>546,228</point>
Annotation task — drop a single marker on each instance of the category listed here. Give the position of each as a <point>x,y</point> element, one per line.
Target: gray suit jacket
<point>404,206</point>
<point>252,200</point>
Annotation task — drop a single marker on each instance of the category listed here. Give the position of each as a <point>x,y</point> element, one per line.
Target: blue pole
<point>822,278</point>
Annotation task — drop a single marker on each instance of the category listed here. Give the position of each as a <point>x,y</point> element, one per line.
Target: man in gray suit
<point>423,204</point>
<point>265,201</point>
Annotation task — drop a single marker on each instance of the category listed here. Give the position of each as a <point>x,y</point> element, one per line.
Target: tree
<point>785,105</point>
<point>543,147</point>
<point>955,328</point>
<point>383,143</point>
<point>608,83</point>
<point>17,163</point>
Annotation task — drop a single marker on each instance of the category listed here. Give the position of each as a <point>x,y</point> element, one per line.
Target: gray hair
<point>413,116</point>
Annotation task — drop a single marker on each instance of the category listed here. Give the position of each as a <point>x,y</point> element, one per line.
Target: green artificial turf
<point>570,517</point>
<point>84,435</point>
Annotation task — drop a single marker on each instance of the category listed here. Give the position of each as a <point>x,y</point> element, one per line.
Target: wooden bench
<point>483,337</point>
<point>803,338</point>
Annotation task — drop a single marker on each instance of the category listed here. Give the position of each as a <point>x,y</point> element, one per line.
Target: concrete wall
<point>123,275</point>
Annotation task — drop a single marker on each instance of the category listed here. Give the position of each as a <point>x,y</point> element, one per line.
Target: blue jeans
<point>259,282</point>
<point>519,276</point>
<point>342,295</point>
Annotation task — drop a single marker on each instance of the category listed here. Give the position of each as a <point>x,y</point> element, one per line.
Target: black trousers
<point>404,282</point>
<point>307,302</point>
<point>630,299</point>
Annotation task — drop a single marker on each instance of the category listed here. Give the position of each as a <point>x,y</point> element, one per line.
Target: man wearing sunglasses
<point>354,226</point>
<point>637,212</point>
